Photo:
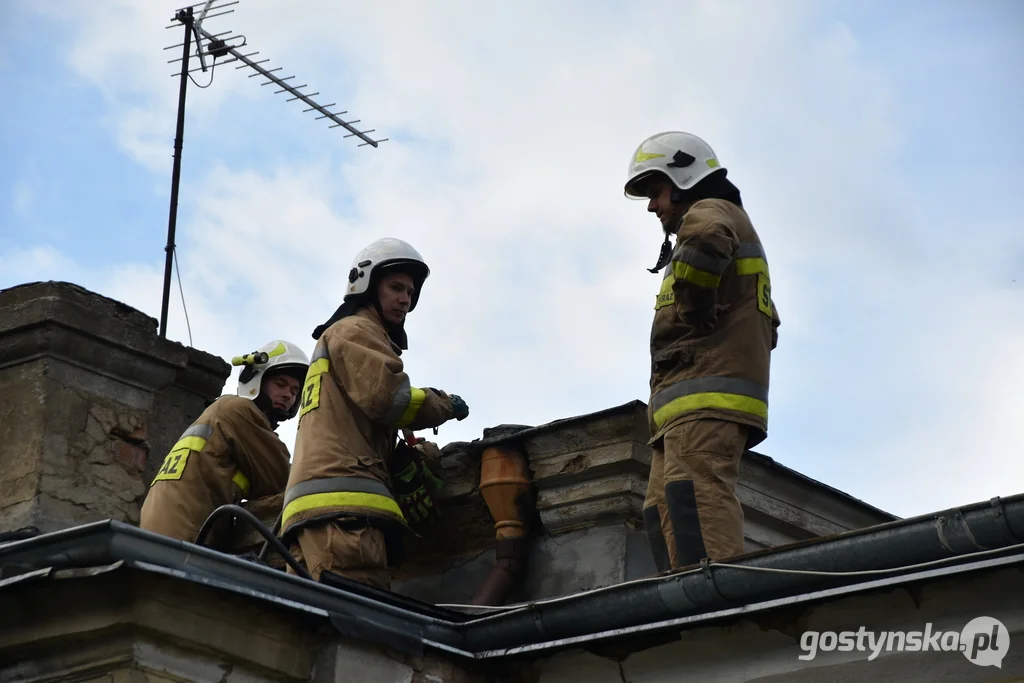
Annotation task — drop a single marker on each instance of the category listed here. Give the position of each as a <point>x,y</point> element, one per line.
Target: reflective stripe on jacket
<point>230,453</point>
<point>355,399</point>
<point>715,324</point>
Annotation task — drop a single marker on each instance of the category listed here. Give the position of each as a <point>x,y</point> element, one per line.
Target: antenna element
<point>217,48</point>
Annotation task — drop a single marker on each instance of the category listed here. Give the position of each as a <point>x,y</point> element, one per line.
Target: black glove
<point>412,479</point>
<point>459,407</point>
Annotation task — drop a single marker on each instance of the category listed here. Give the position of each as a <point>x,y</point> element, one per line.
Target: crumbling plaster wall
<point>589,475</point>
<point>91,401</point>
<point>116,624</point>
<point>96,440</point>
<point>767,646</point>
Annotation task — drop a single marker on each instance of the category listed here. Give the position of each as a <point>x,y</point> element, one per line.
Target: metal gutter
<point>382,615</point>
<point>753,582</point>
<point>347,623</point>
<point>696,620</point>
<point>992,525</point>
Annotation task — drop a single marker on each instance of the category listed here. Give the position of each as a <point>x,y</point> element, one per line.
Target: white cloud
<point>23,197</point>
<point>37,264</point>
<point>510,129</point>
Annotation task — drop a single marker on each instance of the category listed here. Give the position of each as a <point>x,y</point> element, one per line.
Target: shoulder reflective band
<point>706,271</point>
<point>697,267</point>
<point>339,492</point>
<point>750,259</point>
<point>192,439</point>
<point>405,405</point>
<point>319,353</point>
<point>726,393</point>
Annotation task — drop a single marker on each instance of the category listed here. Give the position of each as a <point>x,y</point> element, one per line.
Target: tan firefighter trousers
<point>359,553</point>
<point>691,510</point>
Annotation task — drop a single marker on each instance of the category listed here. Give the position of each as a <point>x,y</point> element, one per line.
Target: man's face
<point>282,390</point>
<point>659,196</point>
<point>395,295</point>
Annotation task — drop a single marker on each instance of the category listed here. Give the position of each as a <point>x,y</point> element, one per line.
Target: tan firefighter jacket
<point>231,452</point>
<point>355,399</point>
<point>715,324</point>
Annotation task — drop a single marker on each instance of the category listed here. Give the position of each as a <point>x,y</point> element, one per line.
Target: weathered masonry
<point>562,583</point>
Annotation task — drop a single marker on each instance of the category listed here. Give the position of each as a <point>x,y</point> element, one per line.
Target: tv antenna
<point>227,47</point>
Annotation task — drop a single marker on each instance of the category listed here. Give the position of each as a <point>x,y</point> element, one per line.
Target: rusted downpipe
<point>507,490</point>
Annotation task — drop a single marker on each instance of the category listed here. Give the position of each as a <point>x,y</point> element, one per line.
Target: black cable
<point>212,65</point>
<point>202,86</point>
<point>241,513</point>
<point>276,531</point>
<point>187,324</point>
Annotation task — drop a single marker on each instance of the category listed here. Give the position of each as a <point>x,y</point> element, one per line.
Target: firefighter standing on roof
<point>232,451</point>
<point>346,509</point>
<point>715,325</point>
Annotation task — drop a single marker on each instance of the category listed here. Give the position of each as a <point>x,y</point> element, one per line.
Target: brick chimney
<point>92,399</point>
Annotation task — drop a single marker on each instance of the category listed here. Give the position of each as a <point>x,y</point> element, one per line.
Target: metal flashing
<point>900,552</point>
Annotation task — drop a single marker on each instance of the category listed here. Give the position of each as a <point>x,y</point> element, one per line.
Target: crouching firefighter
<point>715,326</point>
<point>342,508</point>
<point>232,451</point>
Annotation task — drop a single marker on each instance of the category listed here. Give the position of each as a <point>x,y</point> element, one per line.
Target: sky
<point>878,147</point>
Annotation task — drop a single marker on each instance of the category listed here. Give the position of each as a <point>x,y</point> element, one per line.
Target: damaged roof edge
<point>506,434</point>
<point>511,434</point>
<point>992,529</point>
<point>772,463</point>
<point>108,541</point>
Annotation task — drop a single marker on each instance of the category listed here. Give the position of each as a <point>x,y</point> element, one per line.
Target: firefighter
<point>232,451</point>
<point>349,500</point>
<point>714,328</point>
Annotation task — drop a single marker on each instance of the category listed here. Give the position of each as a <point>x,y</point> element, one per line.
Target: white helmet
<point>271,358</point>
<point>383,254</point>
<point>684,158</point>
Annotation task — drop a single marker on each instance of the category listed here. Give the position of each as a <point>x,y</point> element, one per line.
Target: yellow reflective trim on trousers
<point>702,278</point>
<point>416,399</point>
<point>691,402</point>
<point>340,499</point>
<point>241,481</point>
<point>751,266</point>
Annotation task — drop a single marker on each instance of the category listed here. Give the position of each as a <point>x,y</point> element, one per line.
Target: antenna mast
<point>216,46</point>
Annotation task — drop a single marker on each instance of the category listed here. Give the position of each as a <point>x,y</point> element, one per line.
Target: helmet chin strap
<point>666,247</point>
<point>274,415</point>
<point>664,257</point>
<point>395,331</point>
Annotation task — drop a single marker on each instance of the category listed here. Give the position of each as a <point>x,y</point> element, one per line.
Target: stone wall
<point>589,475</point>
<point>92,400</point>
<point>590,478</point>
<point>113,623</point>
